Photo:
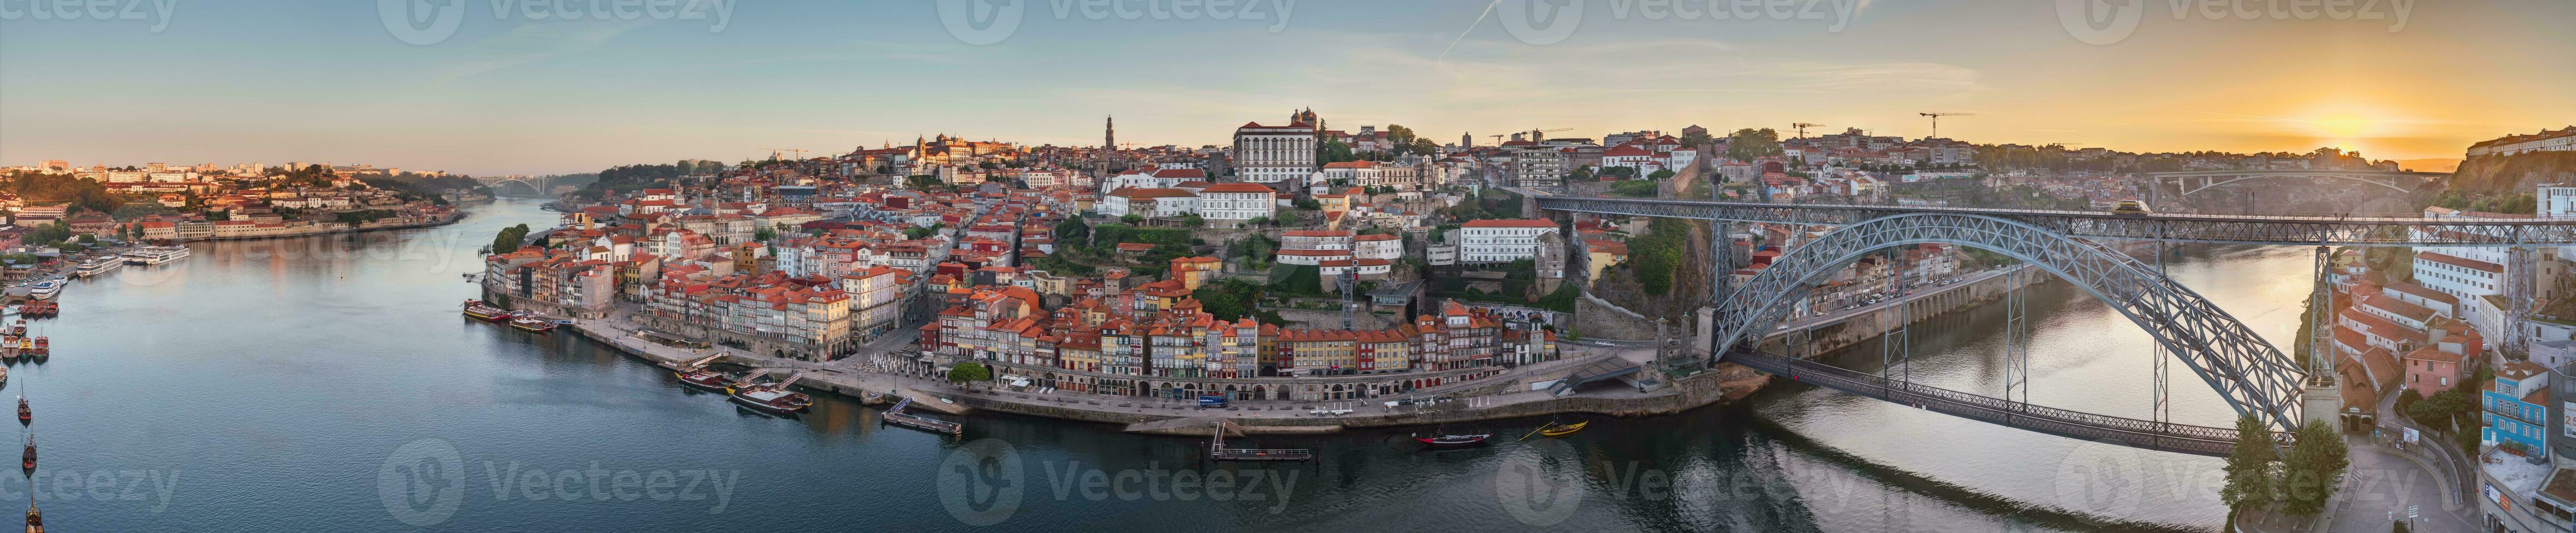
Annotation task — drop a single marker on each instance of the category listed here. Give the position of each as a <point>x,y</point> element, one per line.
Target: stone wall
<point>1598,319</point>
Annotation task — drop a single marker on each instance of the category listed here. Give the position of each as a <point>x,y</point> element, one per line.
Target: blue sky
<point>253,80</point>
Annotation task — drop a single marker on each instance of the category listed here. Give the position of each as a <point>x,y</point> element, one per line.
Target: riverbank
<point>329,229</point>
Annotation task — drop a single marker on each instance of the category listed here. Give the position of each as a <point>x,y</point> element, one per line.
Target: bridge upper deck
<point>2310,230</point>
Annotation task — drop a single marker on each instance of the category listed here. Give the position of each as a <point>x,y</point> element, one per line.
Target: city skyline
<point>510,95</point>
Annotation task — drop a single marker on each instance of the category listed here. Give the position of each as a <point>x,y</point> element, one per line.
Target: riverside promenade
<point>1502,396</point>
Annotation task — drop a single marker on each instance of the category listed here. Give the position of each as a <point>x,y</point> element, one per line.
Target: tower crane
<point>1936,121</point>
<point>1802,128</point>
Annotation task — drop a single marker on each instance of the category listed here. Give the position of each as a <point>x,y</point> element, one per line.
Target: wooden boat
<point>1454,441</point>
<point>1562,430</point>
<point>35,520</point>
<point>772,400</point>
<point>531,324</point>
<point>706,379</point>
<point>29,462</point>
<point>485,312</point>
<point>24,416</point>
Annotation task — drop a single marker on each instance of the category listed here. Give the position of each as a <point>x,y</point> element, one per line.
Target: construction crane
<point>1537,134</point>
<point>1936,121</point>
<point>773,152</point>
<point>1802,128</point>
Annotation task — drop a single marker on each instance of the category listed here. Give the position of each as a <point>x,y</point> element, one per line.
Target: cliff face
<point>2513,174</point>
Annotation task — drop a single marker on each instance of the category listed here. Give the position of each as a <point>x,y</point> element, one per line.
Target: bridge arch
<point>2255,378</point>
<point>533,189</point>
<point>2211,182</point>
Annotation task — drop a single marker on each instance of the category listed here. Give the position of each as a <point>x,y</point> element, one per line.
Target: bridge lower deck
<point>2148,434</point>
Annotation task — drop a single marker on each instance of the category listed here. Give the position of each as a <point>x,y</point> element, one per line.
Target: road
<point>2382,486</point>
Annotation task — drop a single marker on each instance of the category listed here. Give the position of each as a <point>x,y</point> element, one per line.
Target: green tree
<point>764,234</point>
<point>2250,477</point>
<point>1073,231</point>
<point>968,372</point>
<point>1661,175</point>
<point>1131,218</point>
<point>1749,144</point>
<point>1581,173</point>
<point>2314,469</point>
<point>509,239</point>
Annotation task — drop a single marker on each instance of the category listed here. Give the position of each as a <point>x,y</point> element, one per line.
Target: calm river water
<point>328,384</point>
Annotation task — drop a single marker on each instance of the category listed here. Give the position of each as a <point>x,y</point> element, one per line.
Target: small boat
<point>531,323</point>
<point>29,461</point>
<point>484,311</point>
<point>706,379</point>
<point>41,350</point>
<point>35,520</point>
<point>24,416</point>
<point>19,329</point>
<point>1562,430</point>
<point>1453,441</point>
<point>773,400</point>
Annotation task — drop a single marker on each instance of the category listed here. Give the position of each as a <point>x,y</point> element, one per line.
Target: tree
<point>764,234</point>
<point>1581,173</point>
<point>968,372</point>
<point>1073,231</point>
<point>1749,144</point>
<point>1131,218</point>
<point>1194,220</point>
<point>509,239</point>
<point>1661,175</point>
<point>2314,469</point>
<point>2249,468</point>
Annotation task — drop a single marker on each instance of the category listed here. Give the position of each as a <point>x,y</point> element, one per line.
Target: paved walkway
<point>887,368</point>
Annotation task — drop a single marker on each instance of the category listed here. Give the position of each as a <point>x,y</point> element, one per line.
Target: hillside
<point>2515,174</point>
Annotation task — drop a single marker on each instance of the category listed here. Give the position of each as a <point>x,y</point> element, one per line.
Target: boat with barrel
<point>40,351</point>
<point>485,312</point>
<point>529,322</point>
<point>25,416</point>
<point>772,399</point>
<point>706,379</point>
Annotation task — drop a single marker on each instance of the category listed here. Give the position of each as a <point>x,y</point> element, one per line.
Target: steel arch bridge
<point>2255,378</point>
<point>533,183</point>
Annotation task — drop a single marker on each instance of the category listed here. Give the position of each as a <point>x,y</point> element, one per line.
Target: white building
<point>1232,204</point>
<point>1149,203</point>
<point>2458,276</point>
<point>1386,247</point>
<point>1501,241</point>
<point>1276,155</point>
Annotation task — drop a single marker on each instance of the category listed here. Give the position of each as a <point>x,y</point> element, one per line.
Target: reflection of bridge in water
<point>2255,378</point>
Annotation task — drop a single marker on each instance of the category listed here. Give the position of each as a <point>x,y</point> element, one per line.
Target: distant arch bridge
<point>2185,184</point>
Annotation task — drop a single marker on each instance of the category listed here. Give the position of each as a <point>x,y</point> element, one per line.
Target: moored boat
<point>24,416</point>
<point>44,289</point>
<point>531,323</point>
<point>773,400</point>
<point>41,350</point>
<point>29,460</point>
<point>35,520</point>
<point>484,311</point>
<point>97,266</point>
<point>706,379</point>
<point>154,255</point>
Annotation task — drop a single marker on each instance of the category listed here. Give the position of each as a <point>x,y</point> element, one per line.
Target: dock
<point>895,415</point>
<point>1218,451</point>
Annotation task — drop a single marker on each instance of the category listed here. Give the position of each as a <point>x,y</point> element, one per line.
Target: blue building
<point>2517,416</point>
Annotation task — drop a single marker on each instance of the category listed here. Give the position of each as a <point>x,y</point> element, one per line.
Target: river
<point>328,384</point>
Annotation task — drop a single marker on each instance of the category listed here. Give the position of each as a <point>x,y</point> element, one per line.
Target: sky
<point>491,87</point>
